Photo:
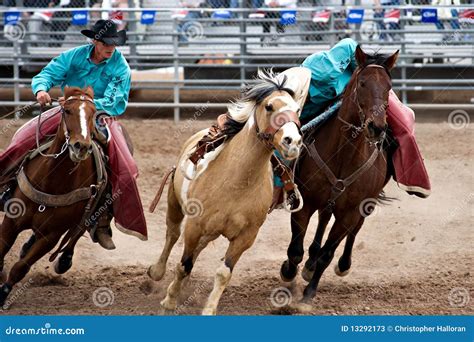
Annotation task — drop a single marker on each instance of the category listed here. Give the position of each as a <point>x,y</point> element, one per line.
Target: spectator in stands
<point>62,20</point>
<point>118,16</point>
<point>448,13</point>
<point>280,29</point>
<point>380,15</point>
<point>188,27</point>
<point>36,20</point>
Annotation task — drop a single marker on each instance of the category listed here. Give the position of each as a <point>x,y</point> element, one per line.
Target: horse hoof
<point>4,292</point>
<point>307,274</point>
<point>285,273</point>
<point>169,303</point>
<point>156,276</point>
<point>339,273</point>
<point>209,312</point>
<point>63,264</point>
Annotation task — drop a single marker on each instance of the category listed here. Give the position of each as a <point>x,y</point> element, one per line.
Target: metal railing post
<point>242,42</point>
<point>403,73</point>
<point>16,74</point>
<point>176,72</point>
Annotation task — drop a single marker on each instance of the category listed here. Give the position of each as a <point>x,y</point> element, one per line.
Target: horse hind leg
<point>174,217</point>
<point>183,269</point>
<point>343,266</point>
<point>236,247</point>
<point>42,246</point>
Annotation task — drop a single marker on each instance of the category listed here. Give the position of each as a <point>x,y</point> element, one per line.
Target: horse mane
<point>253,95</point>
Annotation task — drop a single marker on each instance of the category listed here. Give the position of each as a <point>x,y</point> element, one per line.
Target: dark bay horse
<point>344,168</point>
<point>64,172</point>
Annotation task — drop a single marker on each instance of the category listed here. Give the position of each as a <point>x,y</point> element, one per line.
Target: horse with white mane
<point>231,190</point>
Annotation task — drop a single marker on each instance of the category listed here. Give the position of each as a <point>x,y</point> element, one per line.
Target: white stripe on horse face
<point>291,104</point>
<point>82,118</point>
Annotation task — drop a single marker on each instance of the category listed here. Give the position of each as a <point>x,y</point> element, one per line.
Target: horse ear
<point>360,56</point>
<point>67,89</point>
<point>90,91</point>
<point>391,61</point>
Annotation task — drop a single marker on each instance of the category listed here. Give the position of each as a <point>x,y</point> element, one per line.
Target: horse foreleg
<point>299,224</point>
<point>338,232</point>
<point>8,234</point>
<point>343,266</point>
<point>236,247</point>
<point>27,245</point>
<point>21,267</point>
<point>310,264</point>
<point>64,262</point>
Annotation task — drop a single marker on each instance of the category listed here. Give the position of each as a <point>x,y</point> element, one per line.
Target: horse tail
<point>155,201</point>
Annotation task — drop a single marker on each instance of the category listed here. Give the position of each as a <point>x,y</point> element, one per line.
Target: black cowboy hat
<point>106,32</point>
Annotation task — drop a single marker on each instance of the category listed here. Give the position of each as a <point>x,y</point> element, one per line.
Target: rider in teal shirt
<point>110,78</point>
<point>330,73</point>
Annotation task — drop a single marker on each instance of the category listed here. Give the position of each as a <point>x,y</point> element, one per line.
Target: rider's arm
<point>328,65</point>
<point>54,73</point>
<point>115,98</point>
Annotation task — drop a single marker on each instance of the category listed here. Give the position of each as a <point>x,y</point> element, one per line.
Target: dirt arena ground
<point>413,257</point>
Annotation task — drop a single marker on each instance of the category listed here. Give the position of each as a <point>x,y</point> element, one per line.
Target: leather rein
<point>340,185</point>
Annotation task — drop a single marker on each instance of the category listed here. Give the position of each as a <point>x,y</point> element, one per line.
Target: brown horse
<point>343,173</point>
<point>53,175</point>
<point>231,191</point>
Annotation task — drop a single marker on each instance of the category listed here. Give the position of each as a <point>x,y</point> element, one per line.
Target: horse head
<point>369,89</point>
<point>276,114</point>
<point>78,121</point>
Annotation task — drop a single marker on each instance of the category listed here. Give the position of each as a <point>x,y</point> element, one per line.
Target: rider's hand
<point>43,98</point>
<point>61,101</point>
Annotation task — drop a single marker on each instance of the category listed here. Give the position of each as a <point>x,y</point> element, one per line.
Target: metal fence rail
<point>237,45</point>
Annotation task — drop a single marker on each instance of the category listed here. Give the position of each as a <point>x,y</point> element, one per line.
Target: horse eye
<point>67,111</point>
<point>362,84</point>
<point>269,107</point>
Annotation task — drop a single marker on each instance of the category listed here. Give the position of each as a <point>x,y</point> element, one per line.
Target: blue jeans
<point>380,15</point>
<point>453,22</point>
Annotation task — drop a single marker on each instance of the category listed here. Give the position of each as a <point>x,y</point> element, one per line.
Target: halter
<point>82,98</point>
<point>363,122</point>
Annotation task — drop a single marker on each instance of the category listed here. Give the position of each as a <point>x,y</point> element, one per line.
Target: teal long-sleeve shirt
<point>330,73</point>
<point>110,79</point>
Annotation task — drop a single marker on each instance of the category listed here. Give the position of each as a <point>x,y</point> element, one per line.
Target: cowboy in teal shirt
<point>330,73</point>
<point>102,67</point>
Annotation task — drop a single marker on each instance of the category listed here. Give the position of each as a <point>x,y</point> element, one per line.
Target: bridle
<point>64,147</point>
<point>277,122</point>
<point>363,121</point>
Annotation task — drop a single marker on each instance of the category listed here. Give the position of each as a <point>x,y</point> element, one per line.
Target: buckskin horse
<point>58,185</point>
<point>345,166</point>
<point>231,190</point>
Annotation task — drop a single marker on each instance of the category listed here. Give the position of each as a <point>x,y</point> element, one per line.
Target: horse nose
<point>375,130</point>
<point>82,148</point>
